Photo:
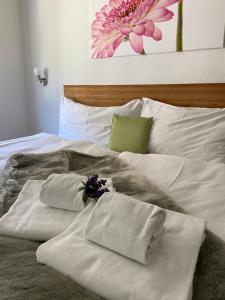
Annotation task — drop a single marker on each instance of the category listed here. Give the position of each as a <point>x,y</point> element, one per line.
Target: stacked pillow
<point>89,123</point>
<point>137,238</point>
<point>148,126</point>
<point>197,133</point>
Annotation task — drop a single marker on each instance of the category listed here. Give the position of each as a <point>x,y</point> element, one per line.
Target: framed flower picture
<point>139,27</point>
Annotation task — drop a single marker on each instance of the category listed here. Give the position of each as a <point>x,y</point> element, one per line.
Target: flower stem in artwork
<point>180,27</point>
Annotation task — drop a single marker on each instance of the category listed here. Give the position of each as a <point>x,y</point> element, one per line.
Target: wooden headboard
<point>196,95</point>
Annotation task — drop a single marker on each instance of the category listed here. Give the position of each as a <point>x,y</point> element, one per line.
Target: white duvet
<point>199,188</point>
<point>113,276</point>
<point>196,186</point>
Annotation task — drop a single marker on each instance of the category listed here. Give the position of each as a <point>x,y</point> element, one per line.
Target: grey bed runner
<point>21,278</point>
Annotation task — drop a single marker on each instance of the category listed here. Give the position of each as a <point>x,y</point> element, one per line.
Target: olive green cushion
<point>130,134</point>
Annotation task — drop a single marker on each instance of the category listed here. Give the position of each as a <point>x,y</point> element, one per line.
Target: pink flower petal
<point>160,15</point>
<point>136,42</point>
<point>139,29</point>
<point>106,9</point>
<point>115,3</point>
<point>110,51</point>
<point>157,35</point>
<point>117,42</point>
<point>97,25</point>
<point>96,33</point>
<point>125,30</point>
<point>141,22</point>
<point>100,17</point>
<point>149,28</point>
<point>105,45</point>
<point>94,43</point>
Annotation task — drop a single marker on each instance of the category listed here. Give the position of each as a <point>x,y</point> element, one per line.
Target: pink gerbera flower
<point>128,20</point>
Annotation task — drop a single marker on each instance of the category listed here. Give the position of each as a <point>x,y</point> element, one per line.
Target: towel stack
<point>120,223</point>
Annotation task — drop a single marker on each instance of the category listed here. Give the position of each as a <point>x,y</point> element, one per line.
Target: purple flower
<point>94,187</point>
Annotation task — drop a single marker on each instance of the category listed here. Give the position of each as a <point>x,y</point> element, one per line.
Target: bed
<point>196,187</point>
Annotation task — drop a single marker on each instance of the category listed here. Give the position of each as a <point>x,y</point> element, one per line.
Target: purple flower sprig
<point>94,187</point>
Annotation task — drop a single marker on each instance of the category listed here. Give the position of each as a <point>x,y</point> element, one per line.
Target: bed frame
<point>195,95</point>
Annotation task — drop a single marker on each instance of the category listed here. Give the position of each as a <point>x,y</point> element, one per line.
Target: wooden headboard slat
<point>195,95</point>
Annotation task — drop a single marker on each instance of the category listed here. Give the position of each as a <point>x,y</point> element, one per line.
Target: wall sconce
<point>42,77</point>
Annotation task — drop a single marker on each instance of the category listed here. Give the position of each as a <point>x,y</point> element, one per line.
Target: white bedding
<point>91,123</point>
<point>169,276</point>
<point>196,186</point>
<point>194,132</point>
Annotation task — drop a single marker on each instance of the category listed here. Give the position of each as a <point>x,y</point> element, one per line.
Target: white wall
<point>58,36</point>
<point>13,115</point>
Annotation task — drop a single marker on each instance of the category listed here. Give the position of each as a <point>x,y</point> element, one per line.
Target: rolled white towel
<point>126,226</point>
<point>63,191</point>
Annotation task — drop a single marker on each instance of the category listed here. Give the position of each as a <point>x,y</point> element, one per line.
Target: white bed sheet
<point>199,188</point>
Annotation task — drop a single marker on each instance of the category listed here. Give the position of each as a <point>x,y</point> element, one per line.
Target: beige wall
<point>13,115</point>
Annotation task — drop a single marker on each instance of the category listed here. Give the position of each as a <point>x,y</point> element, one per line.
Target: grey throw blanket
<point>22,278</point>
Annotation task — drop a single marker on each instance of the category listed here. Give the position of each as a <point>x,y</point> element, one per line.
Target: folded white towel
<point>63,191</point>
<point>30,219</point>
<point>113,276</point>
<point>126,226</point>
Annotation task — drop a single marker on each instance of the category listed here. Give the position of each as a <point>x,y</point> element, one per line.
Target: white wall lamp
<point>42,77</point>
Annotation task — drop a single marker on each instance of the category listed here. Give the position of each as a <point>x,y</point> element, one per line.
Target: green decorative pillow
<point>130,134</point>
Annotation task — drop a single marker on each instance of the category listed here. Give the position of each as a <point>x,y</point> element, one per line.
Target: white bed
<point>197,186</point>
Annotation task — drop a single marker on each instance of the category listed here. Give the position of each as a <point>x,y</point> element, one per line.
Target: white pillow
<point>191,132</point>
<point>93,124</point>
